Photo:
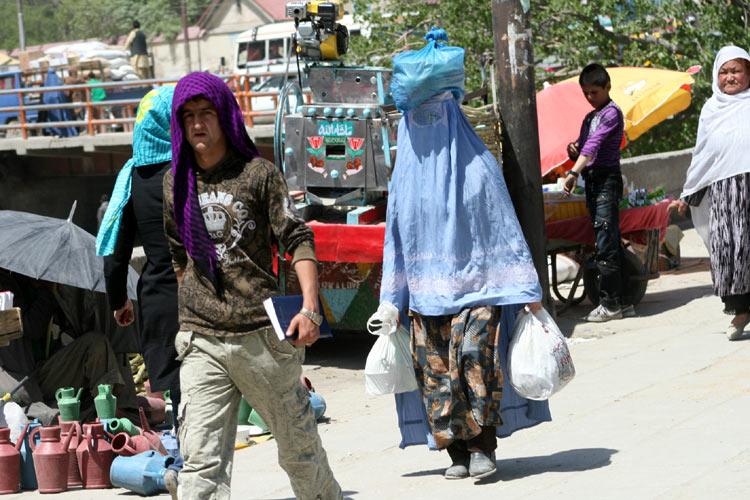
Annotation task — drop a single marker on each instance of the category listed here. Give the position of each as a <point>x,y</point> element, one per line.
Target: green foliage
<point>568,34</point>
<point>468,22</point>
<point>48,21</point>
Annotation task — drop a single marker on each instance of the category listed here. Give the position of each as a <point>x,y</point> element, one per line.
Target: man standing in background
<point>136,43</point>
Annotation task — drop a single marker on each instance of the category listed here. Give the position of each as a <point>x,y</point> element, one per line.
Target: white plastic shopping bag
<point>539,360</point>
<point>389,368</point>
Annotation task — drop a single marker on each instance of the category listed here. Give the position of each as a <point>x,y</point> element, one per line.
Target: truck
<point>13,80</point>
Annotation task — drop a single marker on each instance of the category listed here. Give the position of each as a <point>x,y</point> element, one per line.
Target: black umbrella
<point>54,250</point>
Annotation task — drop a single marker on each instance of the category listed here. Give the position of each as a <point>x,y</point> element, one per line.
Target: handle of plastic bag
<point>534,317</point>
<point>437,35</point>
<point>384,321</point>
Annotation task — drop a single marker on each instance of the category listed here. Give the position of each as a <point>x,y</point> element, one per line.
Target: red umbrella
<point>560,111</point>
<point>647,96</point>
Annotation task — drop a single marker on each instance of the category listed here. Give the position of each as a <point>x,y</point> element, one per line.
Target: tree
<point>60,20</point>
<point>568,34</point>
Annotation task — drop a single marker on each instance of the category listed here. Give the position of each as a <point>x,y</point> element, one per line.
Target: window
<point>276,49</point>
<point>250,52</point>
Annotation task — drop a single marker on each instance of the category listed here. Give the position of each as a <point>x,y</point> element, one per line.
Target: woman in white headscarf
<point>718,184</point>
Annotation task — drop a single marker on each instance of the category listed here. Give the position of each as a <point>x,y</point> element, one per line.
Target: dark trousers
<point>603,195</point>
<point>486,441</point>
<point>736,304</point>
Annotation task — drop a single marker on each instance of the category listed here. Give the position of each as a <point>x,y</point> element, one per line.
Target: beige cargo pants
<point>215,372</point>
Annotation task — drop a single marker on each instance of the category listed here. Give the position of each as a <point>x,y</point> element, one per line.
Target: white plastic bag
<point>538,357</point>
<point>389,368</point>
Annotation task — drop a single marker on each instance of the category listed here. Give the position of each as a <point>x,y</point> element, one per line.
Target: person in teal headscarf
<point>135,209</point>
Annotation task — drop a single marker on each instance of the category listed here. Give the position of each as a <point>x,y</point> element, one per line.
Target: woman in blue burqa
<point>57,115</point>
<point>457,267</point>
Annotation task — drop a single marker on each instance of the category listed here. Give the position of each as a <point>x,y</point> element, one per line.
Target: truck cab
<point>8,81</point>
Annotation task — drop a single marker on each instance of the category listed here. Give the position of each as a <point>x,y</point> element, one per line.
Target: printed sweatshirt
<point>246,208</point>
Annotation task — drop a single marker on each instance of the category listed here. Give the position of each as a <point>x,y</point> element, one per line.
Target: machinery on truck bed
<point>336,149</point>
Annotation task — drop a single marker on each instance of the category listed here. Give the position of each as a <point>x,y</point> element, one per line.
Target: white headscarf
<point>722,149</point>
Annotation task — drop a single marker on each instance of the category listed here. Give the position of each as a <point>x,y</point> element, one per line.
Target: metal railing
<point>23,119</point>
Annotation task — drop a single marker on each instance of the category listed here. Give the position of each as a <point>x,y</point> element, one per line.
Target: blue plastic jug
<point>28,474</point>
<point>142,473</point>
<point>318,405</point>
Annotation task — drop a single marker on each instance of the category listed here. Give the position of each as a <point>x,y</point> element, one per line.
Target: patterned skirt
<point>457,363</point>
<point>730,238</point>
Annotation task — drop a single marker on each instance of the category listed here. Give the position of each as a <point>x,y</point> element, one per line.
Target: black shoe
<point>482,464</point>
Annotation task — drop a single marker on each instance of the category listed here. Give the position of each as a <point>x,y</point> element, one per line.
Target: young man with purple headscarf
<point>224,209</point>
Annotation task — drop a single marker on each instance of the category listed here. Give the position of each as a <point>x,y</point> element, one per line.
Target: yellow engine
<point>319,35</point>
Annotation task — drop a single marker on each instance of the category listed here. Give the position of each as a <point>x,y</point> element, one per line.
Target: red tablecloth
<point>364,243</point>
<point>579,229</point>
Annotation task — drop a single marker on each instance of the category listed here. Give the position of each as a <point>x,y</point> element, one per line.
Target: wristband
<point>573,173</point>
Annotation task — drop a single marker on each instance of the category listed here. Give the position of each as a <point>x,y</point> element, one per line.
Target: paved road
<point>658,410</point>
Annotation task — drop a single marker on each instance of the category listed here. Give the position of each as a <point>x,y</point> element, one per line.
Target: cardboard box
<point>25,57</point>
<point>11,327</point>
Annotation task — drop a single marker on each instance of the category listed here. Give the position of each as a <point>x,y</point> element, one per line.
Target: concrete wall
<point>661,169</point>
<point>49,186</point>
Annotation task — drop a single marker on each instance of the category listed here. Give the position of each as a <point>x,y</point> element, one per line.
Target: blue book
<point>283,308</point>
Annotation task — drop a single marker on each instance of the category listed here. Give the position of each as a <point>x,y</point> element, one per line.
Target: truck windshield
<point>250,52</point>
<point>7,82</point>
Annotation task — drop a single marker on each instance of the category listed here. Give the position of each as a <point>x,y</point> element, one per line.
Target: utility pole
<point>514,69</point>
<point>21,31</point>
<point>183,15</point>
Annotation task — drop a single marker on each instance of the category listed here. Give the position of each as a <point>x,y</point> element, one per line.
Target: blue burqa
<point>453,241</point>
<point>57,115</point>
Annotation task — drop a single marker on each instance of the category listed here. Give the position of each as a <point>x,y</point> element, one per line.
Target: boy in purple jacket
<point>597,158</point>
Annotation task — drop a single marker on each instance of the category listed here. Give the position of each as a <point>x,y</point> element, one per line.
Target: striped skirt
<point>730,241</point>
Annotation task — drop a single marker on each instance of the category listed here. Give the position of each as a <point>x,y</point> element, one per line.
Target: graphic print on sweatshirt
<point>226,221</point>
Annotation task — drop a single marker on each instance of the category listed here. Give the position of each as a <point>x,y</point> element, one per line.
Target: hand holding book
<point>289,324</point>
<point>302,331</point>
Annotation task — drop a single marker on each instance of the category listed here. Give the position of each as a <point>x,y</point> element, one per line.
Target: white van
<point>265,48</point>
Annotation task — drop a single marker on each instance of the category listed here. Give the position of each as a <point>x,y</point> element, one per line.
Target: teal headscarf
<point>151,145</point>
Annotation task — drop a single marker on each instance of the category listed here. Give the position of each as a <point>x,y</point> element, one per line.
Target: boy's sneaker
<point>602,314</point>
<point>628,311</point>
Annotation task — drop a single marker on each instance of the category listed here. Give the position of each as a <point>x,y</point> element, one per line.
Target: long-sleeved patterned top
<point>246,208</point>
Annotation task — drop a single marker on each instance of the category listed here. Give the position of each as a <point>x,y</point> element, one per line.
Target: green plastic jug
<point>69,403</point>
<point>105,402</point>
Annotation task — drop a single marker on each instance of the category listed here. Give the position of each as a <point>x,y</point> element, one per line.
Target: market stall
<point>643,226</point>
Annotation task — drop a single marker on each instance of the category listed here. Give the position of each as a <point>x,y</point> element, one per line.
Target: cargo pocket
<point>282,347</point>
<point>183,341</point>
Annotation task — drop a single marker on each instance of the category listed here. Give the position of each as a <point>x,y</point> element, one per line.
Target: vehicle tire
<point>634,279</point>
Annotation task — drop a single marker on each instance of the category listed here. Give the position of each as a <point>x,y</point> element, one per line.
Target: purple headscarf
<point>187,211</point>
